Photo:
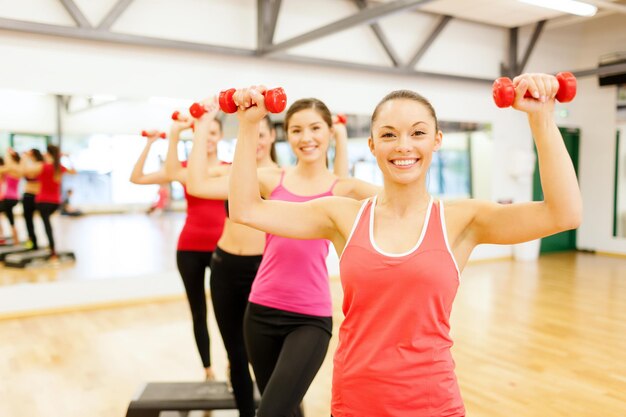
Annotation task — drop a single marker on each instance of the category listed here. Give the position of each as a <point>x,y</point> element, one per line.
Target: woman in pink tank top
<point>400,255</point>
<point>10,174</point>
<point>288,322</point>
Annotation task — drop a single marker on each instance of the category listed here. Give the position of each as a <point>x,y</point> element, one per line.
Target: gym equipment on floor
<point>34,258</point>
<point>155,397</point>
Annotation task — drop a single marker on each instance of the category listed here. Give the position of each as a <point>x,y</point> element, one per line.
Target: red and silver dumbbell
<point>504,90</point>
<point>146,133</point>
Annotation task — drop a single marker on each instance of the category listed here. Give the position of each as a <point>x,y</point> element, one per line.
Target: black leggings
<point>192,266</point>
<point>7,209</point>
<point>46,210</point>
<point>286,351</point>
<point>28,202</point>
<point>231,280</point>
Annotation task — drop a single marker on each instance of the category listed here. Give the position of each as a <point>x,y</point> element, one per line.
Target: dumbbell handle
<point>146,133</point>
<point>504,90</point>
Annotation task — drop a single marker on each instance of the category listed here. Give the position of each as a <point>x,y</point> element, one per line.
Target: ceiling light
<point>578,8</point>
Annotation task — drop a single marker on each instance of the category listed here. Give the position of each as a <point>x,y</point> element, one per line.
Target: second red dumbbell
<point>146,133</point>
<point>275,100</point>
<point>504,91</point>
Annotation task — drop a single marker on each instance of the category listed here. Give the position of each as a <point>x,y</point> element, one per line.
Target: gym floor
<point>531,339</point>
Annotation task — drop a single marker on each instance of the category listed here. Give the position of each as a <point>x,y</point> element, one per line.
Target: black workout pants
<point>45,211</point>
<point>231,280</point>
<point>7,209</point>
<point>192,266</point>
<point>28,203</point>
<point>286,351</point>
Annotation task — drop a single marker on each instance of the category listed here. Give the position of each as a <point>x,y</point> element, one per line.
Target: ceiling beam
<point>368,15</point>
<point>428,42</point>
<point>262,22</point>
<point>114,14</point>
<point>531,45</point>
<point>382,38</point>
<point>117,38</point>
<point>75,13</point>
<point>273,21</point>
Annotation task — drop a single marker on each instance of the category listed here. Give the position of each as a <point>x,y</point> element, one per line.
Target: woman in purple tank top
<point>288,321</point>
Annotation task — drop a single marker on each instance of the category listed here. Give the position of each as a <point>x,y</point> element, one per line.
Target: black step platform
<point>34,258</point>
<point>8,250</point>
<point>155,397</point>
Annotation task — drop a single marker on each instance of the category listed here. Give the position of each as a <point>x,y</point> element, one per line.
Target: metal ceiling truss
<point>267,17</point>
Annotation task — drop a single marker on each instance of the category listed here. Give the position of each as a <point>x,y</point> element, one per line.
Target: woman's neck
<point>311,169</point>
<point>212,159</point>
<point>404,198</point>
<point>266,162</point>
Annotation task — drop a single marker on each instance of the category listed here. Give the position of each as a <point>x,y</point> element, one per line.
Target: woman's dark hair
<point>270,127</point>
<point>1,161</point>
<point>15,157</point>
<point>55,153</point>
<point>406,95</point>
<point>37,155</point>
<point>309,103</point>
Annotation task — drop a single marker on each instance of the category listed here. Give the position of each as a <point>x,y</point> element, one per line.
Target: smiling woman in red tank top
<point>401,253</point>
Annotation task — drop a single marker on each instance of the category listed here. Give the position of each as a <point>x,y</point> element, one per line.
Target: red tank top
<point>203,225</point>
<point>50,191</point>
<point>393,357</point>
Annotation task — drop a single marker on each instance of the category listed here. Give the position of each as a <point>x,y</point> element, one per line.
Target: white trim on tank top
<point>445,237</point>
<point>410,251</point>
<point>354,225</point>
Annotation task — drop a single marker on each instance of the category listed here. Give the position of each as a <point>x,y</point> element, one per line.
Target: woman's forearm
<point>558,177</point>
<point>244,182</point>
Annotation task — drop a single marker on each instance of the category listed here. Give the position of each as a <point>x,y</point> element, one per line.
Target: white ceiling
<point>505,13</point>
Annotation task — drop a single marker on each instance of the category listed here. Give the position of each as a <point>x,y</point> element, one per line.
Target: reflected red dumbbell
<point>146,133</point>
<point>504,91</point>
<point>342,119</point>
<point>275,100</point>
<point>176,117</point>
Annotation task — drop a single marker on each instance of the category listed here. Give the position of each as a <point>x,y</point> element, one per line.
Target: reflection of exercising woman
<point>48,199</point>
<point>10,174</point>
<point>400,255</point>
<point>31,188</point>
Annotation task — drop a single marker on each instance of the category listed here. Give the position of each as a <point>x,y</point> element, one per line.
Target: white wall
<point>55,65</point>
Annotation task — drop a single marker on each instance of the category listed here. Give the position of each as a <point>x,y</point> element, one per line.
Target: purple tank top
<point>293,275</point>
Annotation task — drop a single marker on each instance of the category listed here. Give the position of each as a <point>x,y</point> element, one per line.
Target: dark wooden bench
<point>155,397</point>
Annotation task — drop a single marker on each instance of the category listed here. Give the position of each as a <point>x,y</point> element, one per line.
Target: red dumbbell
<point>275,102</point>
<point>146,133</point>
<point>504,91</point>
<point>342,119</point>
<point>176,117</point>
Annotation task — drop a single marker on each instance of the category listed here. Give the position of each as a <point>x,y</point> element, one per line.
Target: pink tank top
<point>293,275</point>
<point>10,187</point>
<point>393,357</point>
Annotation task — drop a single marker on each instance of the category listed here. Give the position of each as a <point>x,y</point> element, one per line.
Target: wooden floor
<point>532,340</point>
